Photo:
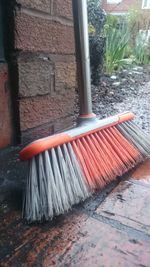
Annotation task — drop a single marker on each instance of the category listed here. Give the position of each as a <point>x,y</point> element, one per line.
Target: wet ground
<point>112,229</point>
<point>127,90</point>
<point>123,91</point>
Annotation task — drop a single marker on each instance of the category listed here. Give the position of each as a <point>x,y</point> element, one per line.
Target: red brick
<point>123,6</point>
<point>62,58</point>
<point>36,133</point>
<point>63,124</point>
<point>38,34</point>
<point>43,109</point>
<point>65,75</point>
<point>36,77</point>
<point>5,108</point>
<point>63,8</point>
<point>47,129</point>
<point>42,5</point>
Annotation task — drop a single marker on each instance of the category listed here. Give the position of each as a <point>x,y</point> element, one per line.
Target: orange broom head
<point>53,141</point>
<point>102,151</point>
<point>66,168</point>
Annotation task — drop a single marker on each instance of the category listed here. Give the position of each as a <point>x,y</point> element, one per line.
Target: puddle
<point>142,172</point>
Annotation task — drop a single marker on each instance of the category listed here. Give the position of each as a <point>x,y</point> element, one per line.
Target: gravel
<point>123,91</point>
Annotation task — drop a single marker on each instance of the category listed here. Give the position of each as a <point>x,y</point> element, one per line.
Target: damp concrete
<point>111,229</point>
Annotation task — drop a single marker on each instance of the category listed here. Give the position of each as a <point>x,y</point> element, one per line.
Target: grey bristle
<point>32,193</point>
<point>77,179</point>
<point>59,184</point>
<point>55,183</point>
<point>80,182</point>
<point>136,136</point>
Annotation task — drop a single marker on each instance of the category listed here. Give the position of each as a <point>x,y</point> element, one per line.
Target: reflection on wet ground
<point>111,229</point>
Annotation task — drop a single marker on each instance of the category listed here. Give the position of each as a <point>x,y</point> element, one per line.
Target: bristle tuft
<point>55,183</point>
<point>105,155</point>
<point>136,136</point>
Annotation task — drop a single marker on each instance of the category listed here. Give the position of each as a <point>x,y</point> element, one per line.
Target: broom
<point>67,168</point>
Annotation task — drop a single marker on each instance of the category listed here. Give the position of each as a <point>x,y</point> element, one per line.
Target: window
<point>1,36</point>
<point>114,1</point>
<point>146,4</point>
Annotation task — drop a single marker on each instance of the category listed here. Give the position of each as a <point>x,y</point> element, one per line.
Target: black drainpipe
<point>11,54</point>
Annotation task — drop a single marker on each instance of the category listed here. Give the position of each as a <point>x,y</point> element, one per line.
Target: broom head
<point>66,168</point>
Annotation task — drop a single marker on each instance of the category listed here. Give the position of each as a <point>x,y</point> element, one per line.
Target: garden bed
<point>122,91</point>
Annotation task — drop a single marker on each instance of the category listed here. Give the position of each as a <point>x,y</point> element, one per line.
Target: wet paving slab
<point>129,203</point>
<point>34,245</point>
<point>115,233</point>
<point>102,245</point>
<point>130,207</point>
<point>77,240</point>
<point>142,174</point>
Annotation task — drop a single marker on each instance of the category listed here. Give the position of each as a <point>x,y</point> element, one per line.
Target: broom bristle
<point>136,136</point>
<point>55,183</point>
<point>105,155</point>
<point>67,174</point>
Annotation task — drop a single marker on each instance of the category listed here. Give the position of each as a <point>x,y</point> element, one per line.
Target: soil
<point>123,91</point>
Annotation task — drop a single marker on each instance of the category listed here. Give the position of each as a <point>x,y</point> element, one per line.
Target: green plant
<point>142,48</point>
<point>91,29</point>
<point>112,21</point>
<point>117,38</point>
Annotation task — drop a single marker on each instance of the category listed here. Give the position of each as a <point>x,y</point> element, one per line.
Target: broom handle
<point>83,57</point>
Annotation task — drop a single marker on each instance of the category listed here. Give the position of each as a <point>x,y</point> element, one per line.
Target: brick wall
<point>44,54</point>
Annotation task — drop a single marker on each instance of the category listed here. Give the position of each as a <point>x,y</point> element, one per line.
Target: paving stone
<point>72,240</point>
<point>100,245</point>
<point>142,174</point>
<point>129,201</point>
<point>37,245</point>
